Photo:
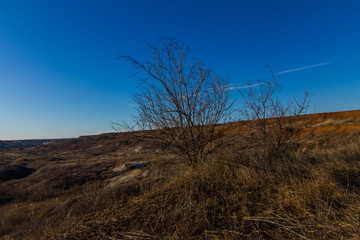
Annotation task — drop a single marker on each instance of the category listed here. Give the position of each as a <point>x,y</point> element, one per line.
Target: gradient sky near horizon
<point>59,76</point>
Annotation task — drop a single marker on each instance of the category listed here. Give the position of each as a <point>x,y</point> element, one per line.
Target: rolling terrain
<point>120,186</point>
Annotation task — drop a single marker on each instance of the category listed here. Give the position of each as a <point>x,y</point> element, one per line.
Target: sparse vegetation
<point>316,196</point>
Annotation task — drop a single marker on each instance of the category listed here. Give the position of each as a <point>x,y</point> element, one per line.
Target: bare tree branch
<point>275,127</point>
<point>181,100</point>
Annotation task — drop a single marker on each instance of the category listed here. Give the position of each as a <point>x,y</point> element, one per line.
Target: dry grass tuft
<point>315,195</point>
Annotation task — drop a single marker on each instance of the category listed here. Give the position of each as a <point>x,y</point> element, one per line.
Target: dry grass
<point>304,193</point>
<point>315,196</point>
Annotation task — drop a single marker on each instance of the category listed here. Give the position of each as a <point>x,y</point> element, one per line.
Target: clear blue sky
<point>59,76</point>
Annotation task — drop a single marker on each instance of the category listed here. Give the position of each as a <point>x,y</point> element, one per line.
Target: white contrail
<point>234,87</point>
<point>302,68</point>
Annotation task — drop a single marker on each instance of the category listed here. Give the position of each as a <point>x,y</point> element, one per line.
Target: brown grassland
<point>86,188</point>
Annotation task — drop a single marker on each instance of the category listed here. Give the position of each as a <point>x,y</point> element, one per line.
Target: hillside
<point>119,186</point>
<point>9,144</point>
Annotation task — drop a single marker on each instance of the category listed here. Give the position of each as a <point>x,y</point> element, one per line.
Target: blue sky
<point>59,76</point>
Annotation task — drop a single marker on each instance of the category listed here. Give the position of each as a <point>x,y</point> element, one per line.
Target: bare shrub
<point>182,100</point>
<point>274,127</point>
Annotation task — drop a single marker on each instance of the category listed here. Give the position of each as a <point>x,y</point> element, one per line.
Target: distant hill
<point>11,144</point>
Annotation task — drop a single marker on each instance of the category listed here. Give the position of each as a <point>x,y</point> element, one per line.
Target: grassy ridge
<point>310,192</point>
